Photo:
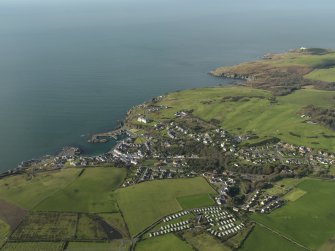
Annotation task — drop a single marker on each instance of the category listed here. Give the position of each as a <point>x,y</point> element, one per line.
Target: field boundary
<point>282,236</point>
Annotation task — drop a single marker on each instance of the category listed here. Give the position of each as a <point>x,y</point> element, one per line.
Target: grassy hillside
<point>144,203</point>
<point>28,191</point>
<point>92,192</point>
<point>327,75</point>
<point>308,219</point>
<point>252,111</point>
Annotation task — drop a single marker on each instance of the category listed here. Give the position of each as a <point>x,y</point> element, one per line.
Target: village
<point>173,149</point>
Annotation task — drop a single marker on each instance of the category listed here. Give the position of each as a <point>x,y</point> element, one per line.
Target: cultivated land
<point>92,191</point>
<point>145,203</point>
<point>262,239</point>
<point>46,227</point>
<point>33,246</point>
<point>310,219</point>
<point>168,242</point>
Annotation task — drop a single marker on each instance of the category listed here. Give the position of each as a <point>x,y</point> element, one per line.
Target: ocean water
<point>72,68</point>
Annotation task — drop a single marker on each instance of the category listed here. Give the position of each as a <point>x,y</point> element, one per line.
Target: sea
<point>71,68</point>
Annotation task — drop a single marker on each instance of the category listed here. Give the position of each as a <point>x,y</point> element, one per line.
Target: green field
<point>116,221</point>
<point>295,194</point>
<point>168,242</point>
<point>92,192</point>
<point>144,203</point>
<point>89,229</point>
<point>193,201</point>
<point>117,245</point>
<point>310,220</point>
<point>204,242</point>
<point>283,186</point>
<point>33,246</point>
<point>255,113</point>
<point>4,230</point>
<point>327,75</point>
<point>27,192</point>
<point>262,239</point>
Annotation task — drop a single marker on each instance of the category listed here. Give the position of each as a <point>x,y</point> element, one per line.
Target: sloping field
<point>144,203</point>
<point>92,192</point>
<point>327,75</point>
<point>27,192</point>
<point>309,220</point>
<point>11,213</point>
<point>262,239</point>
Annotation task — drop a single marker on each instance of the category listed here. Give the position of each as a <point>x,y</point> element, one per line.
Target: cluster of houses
<point>262,203</point>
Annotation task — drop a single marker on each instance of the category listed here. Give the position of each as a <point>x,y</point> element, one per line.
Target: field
<point>116,221</point>
<point>33,246</point>
<point>262,239</point>
<point>255,113</point>
<point>309,220</point>
<point>116,245</point>
<point>327,75</point>
<point>46,227</point>
<point>295,194</point>
<point>283,186</point>
<point>92,192</point>
<point>4,230</point>
<point>27,192</point>
<point>204,242</point>
<point>168,242</point>
<point>193,201</point>
<point>144,203</point>
<point>89,229</point>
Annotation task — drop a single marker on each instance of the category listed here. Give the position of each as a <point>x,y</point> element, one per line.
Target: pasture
<point>326,75</point>
<point>309,220</point>
<point>197,200</point>
<point>253,112</point>
<point>27,191</point>
<point>204,242</point>
<point>144,203</point>
<point>261,239</point>
<point>168,242</point>
<point>116,245</point>
<point>92,192</point>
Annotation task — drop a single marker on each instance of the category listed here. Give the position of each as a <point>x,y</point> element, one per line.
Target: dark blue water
<point>71,68</point>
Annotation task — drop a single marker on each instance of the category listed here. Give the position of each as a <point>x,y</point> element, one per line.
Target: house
<point>143,119</point>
